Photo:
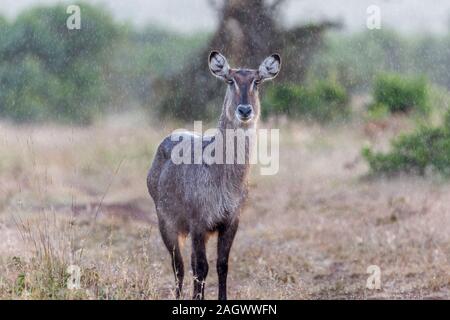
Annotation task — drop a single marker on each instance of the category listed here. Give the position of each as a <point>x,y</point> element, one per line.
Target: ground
<point>77,196</point>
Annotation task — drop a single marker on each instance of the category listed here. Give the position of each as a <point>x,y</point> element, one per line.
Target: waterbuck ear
<point>218,65</point>
<point>270,67</point>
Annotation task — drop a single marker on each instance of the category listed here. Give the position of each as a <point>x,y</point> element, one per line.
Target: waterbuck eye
<point>230,81</point>
<point>256,82</point>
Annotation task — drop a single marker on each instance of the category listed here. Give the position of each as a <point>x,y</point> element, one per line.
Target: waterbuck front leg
<point>199,264</point>
<point>225,241</point>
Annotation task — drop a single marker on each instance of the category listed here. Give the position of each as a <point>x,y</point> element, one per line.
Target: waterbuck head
<point>241,105</point>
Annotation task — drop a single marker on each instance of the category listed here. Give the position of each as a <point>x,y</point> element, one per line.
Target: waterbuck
<point>204,198</point>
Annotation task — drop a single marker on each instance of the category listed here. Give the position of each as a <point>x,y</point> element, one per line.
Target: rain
<point>352,97</point>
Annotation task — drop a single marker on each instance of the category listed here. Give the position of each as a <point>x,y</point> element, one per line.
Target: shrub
<point>425,149</point>
<point>325,101</point>
<point>50,72</point>
<point>378,111</point>
<point>28,91</point>
<point>400,93</point>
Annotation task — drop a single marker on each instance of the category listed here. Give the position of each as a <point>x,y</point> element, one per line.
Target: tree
<point>248,31</point>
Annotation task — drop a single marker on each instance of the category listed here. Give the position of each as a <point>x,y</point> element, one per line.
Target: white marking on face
<point>237,87</point>
<point>252,87</point>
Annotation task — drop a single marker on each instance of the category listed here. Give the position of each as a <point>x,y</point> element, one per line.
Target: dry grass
<point>78,196</point>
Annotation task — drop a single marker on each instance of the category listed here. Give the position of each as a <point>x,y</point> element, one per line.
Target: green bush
<point>425,149</point>
<point>29,92</point>
<point>324,101</point>
<point>48,72</point>
<point>400,93</point>
<point>378,111</point>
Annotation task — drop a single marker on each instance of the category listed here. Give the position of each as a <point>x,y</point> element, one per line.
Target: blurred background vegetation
<point>50,73</point>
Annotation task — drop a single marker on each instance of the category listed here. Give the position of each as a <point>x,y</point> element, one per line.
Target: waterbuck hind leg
<point>199,265</point>
<point>224,243</point>
<point>170,239</point>
<point>178,270</point>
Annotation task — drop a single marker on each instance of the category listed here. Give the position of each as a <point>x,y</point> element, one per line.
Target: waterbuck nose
<point>244,110</point>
